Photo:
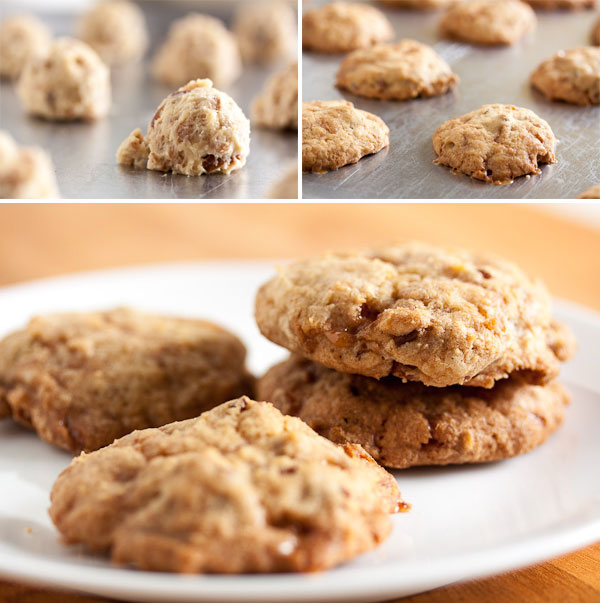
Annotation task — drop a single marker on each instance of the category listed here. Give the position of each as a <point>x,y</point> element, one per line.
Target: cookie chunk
<point>277,105</point>
<point>239,489</point>
<point>595,35</point>
<point>334,134</point>
<point>495,143</point>
<point>287,187</point>
<point>69,82</point>
<point>116,30</point>
<point>400,71</point>
<point>406,424</point>
<point>416,4</point>
<point>344,26</point>
<point>591,193</point>
<point>572,76</point>
<point>488,21</point>
<point>134,151</point>
<point>82,380</point>
<point>562,4</point>
<point>198,46</point>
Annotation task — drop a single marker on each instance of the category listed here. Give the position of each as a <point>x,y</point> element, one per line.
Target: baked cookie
<point>406,424</point>
<point>195,130</point>
<point>572,76</point>
<point>287,187</point>
<point>417,312</point>
<point>198,46</point>
<point>488,21</point>
<point>591,193</point>
<point>416,4</point>
<point>595,35</point>
<point>68,82</point>
<point>495,143</point>
<point>277,105</point>
<point>562,4</point>
<point>239,489</point>
<point>82,380</point>
<point>399,71</point>
<point>334,134</point>
<point>344,26</point>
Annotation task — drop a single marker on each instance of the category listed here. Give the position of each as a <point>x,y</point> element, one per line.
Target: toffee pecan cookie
<point>82,380</point>
<point>241,488</point>
<point>344,26</point>
<point>418,312</point>
<point>562,4</point>
<point>334,134</point>
<point>399,71</point>
<point>406,424</point>
<point>277,105</point>
<point>571,75</point>
<point>495,143</point>
<point>417,4</point>
<point>591,193</point>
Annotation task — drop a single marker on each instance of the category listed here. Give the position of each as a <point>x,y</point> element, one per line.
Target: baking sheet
<point>487,75</point>
<point>84,153</point>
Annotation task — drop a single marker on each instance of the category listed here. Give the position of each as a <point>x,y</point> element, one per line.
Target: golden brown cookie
<point>591,193</point>
<point>562,4</point>
<point>277,105</point>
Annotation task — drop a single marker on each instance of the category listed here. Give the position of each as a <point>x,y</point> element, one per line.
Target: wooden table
<point>44,240</point>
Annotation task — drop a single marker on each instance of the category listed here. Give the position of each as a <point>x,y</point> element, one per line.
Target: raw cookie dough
<point>116,30</point>
<point>287,187</point>
<point>488,21</point>
<point>571,75</point>
<point>591,193</point>
<point>561,4</point>
<point>334,134</point>
<point>196,130</point>
<point>239,489</point>
<point>418,312</point>
<point>407,424</point>
<point>198,46</point>
<point>416,4</point>
<point>25,173</point>
<point>399,71</point>
<point>277,105</point>
<point>22,38</point>
<point>82,380</point>
<point>69,82</point>
<point>495,143</point>
<point>344,26</point>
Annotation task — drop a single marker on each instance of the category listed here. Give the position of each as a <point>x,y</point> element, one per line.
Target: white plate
<point>465,521</point>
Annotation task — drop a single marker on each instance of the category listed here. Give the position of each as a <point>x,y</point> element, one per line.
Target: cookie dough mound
<point>495,143</point>
<point>116,30</point>
<point>416,4</point>
<point>198,46</point>
<point>595,35</point>
<point>69,82</point>
<point>287,187</point>
<point>277,105</point>
<point>572,76</point>
<point>344,26</point>
<point>266,32</point>
<point>591,193</point>
<point>82,380</point>
<point>488,21</point>
<point>134,150</point>
<point>418,312</point>
<point>561,4</point>
<point>334,134</point>
<point>22,38</point>
<point>239,489</point>
<point>399,71</point>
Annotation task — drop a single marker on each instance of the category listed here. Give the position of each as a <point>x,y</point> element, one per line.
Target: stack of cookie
<point>423,355</point>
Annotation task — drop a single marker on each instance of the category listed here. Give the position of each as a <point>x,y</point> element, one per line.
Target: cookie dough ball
<point>417,4</point>
<point>25,173</point>
<point>344,26</point>
<point>495,143</point>
<point>572,76</point>
<point>287,187</point>
<point>591,193</point>
<point>400,71</point>
<point>22,38</point>
<point>335,134</point>
<point>277,105</point>
<point>488,21</point>
<point>562,4</point>
<point>116,30</point>
<point>198,46</point>
<point>69,82</point>
<point>266,32</point>
<point>595,35</point>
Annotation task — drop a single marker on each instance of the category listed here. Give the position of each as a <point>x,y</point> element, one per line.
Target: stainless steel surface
<point>488,75</point>
<point>84,153</point>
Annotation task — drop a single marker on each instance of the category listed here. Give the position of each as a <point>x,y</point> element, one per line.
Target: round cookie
<point>69,82</point>
<point>417,4</point>
<point>595,35</point>
<point>572,76</point>
<point>239,489</point>
<point>344,26</point>
<point>488,21</point>
<point>561,4</point>
<point>495,143</point>
<point>197,46</point>
<point>287,187</point>
<point>335,134</point>
<point>418,312</point>
<point>591,193</point>
<point>277,105</point>
<point>403,70</point>
<point>82,380</point>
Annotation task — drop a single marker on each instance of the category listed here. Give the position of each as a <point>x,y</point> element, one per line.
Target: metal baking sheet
<point>487,75</point>
<point>84,153</point>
